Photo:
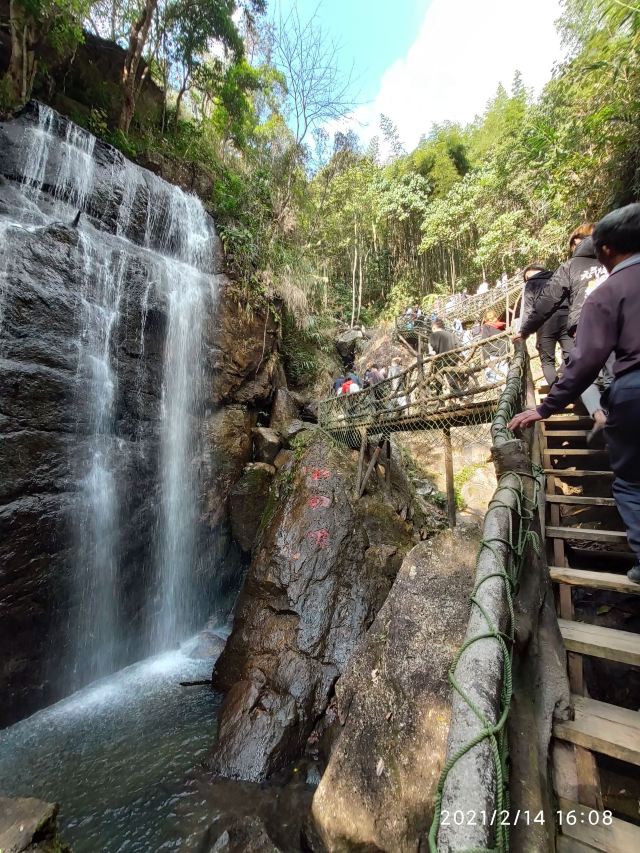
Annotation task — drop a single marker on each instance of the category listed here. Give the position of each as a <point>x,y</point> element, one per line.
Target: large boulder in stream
<point>28,825</point>
<point>322,568</point>
<point>394,705</point>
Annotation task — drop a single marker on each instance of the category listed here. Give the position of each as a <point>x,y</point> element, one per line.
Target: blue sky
<point>424,61</point>
<point>372,33</point>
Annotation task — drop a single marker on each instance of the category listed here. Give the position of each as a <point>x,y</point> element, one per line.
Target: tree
<point>31,22</point>
<point>138,35</point>
<point>194,25</point>
<point>317,89</point>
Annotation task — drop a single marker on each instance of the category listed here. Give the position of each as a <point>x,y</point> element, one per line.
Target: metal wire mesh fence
<point>457,391</point>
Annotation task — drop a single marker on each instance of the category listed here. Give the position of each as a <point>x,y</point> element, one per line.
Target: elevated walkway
<point>414,334</point>
<point>458,388</point>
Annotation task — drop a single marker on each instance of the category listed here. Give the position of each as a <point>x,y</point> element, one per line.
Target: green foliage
<point>303,347</point>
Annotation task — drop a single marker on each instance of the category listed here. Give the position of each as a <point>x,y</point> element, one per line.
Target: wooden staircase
<point>588,554</point>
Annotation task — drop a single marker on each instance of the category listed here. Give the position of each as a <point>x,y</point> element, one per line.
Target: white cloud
<point>462,51</point>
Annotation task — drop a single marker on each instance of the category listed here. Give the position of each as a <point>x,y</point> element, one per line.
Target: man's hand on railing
<point>524,420</point>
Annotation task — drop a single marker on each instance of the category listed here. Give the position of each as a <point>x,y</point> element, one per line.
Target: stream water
<point>116,755</point>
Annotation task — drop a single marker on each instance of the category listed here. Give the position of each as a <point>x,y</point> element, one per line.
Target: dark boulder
<point>28,825</point>
<point>266,444</point>
<point>347,344</point>
<point>285,408</point>
<point>247,502</point>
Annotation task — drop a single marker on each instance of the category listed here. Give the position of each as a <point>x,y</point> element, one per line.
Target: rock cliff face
<point>120,346</point>
<point>322,568</point>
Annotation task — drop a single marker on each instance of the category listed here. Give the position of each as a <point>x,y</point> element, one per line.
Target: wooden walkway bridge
<point>457,389</point>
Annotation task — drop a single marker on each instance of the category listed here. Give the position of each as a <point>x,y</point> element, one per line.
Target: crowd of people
<point>441,339</point>
<point>590,307</point>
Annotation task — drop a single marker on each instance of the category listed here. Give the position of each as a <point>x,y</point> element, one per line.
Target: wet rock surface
<point>28,825</point>
<point>322,568</point>
<point>393,705</point>
<point>47,426</point>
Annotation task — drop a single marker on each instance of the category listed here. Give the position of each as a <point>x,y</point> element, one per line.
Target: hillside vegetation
<point>329,225</point>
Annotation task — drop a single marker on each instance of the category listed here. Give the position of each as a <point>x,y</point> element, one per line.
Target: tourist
<point>393,373</point>
<point>338,382</point>
<point>496,351</point>
<point>483,287</point>
<point>547,317</point>
<point>373,376</point>
<point>350,386</point>
<point>441,340</point>
<point>610,322</point>
<point>566,292</point>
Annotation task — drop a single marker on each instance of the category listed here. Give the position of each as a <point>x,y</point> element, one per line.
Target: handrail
<point>475,776</point>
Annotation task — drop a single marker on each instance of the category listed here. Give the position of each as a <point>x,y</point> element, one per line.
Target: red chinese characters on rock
<point>319,502</point>
<point>320,474</point>
<point>320,537</point>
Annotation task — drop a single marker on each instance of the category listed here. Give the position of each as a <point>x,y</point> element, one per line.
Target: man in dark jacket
<point>548,316</point>
<point>610,322</point>
<point>440,340</point>
<point>563,297</point>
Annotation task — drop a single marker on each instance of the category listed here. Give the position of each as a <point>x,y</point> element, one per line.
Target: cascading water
<point>133,225</point>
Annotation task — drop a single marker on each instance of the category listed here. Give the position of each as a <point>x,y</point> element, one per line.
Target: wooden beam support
<point>372,465</point>
<point>448,467</point>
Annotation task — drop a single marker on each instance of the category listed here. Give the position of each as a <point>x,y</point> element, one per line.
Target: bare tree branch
<point>318,89</point>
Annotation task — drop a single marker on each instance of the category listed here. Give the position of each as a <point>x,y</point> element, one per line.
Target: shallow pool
<point>116,755</point>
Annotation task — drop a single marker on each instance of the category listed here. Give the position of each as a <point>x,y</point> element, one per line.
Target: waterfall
<point>134,224</point>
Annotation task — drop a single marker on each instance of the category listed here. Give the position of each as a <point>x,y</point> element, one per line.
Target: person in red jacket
<point>610,322</point>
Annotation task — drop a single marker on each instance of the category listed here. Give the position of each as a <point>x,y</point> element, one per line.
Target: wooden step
<point>594,580</point>
<point>613,537</point>
<point>566,472</point>
<point>598,642</point>
<point>575,451</point>
<point>565,844</point>
<point>566,433</point>
<point>619,837</point>
<point>603,728</point>
<point>567,419</point>
<point>579,500</point>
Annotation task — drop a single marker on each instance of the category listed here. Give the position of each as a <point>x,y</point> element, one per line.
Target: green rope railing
<point>508,555</point>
